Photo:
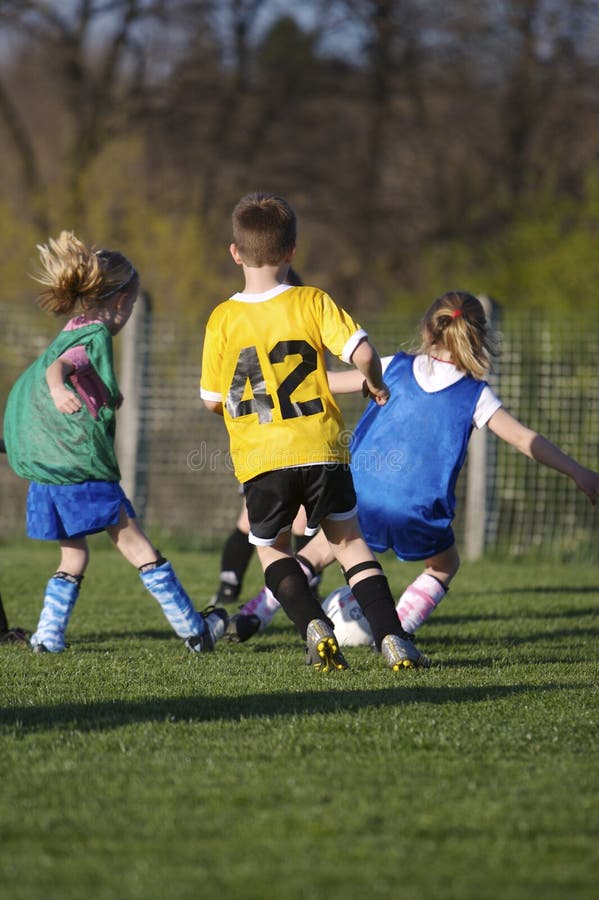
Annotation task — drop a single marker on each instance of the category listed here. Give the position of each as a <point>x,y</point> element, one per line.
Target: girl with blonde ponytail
<point>408,454</point>
<point>59,431</point>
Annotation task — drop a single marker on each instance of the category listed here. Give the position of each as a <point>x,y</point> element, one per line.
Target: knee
<point>455,565</point>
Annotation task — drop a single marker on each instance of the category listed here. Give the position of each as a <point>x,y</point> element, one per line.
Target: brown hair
<point>457,322</point>
<point>76,275</point>
<point>264,229</point>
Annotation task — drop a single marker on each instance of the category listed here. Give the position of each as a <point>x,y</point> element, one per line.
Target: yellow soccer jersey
<point>264,359</point>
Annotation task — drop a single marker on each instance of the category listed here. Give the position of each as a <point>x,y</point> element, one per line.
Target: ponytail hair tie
<point>456,313</point>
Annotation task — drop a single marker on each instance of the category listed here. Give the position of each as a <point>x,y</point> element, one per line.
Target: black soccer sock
<point>235,558</point>
<point>290,586</point>
<point>376,602</point>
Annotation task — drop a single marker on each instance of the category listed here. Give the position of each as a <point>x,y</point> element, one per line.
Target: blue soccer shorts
<point>60,511</point>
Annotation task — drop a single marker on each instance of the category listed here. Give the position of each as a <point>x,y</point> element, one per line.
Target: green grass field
<point>133,769</point>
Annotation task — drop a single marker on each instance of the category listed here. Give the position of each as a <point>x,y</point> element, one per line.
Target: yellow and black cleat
<point>322,650</point>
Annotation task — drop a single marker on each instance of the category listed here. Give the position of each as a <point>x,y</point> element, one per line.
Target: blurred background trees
<point>424,145</point>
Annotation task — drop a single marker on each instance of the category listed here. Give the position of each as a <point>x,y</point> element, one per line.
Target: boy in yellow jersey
<point>263,370</point>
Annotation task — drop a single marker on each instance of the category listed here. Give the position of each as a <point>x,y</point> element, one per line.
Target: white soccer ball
<point>351,628</point>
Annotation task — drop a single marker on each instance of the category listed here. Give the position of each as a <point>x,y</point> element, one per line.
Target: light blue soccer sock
<point>61,594</point>
<point>164,585</point>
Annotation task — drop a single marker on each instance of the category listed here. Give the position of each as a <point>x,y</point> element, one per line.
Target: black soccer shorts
<point>325,490</point>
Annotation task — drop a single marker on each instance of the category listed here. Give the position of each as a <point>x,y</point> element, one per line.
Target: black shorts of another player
<point>326,491</point>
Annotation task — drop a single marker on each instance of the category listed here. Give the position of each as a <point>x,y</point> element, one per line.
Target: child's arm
<point>368,362</point>
<point>346,382</point>
<point>537,447</point>
<point>350,381</point>
<point>65,401</point>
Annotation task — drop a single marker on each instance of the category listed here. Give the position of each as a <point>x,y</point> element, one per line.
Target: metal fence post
<point>480,478</point>
<point>132,440</point>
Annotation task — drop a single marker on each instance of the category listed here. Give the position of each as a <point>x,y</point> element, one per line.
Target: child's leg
<point>60,597</point>
<point>286,579</point>
<point>370,587</point>
<point>272,507</point>
<point>288,582</point>
<point>365,577</point>
<point>235,559</point>
<point>159,578</point>
<point>258,613</point>
<point>317,552</point>
<point>421,598</point>
<point>264,605</point>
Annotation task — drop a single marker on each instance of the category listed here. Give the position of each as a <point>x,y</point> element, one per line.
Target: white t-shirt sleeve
<point>385,360</point>
<point>488,403</point>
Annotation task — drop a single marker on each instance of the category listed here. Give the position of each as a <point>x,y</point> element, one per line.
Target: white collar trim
<point>259,298</point>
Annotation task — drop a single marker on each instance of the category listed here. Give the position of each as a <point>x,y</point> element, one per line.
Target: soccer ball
<point>351,628</point>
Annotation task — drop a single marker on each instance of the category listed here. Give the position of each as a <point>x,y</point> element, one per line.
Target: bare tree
<point>392,123</point>
<point>93,56</point>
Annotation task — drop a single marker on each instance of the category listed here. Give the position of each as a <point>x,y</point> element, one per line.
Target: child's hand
<point>379,395</point>
<point>65,400</point>
<point>588,482</point>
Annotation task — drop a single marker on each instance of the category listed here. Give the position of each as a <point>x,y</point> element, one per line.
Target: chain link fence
<point>547,377</point>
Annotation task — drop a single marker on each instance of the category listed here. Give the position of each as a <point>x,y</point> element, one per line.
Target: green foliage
<point>544,258</point>
<point>548,259</point>
<point>18,257</point>
<point>136,770</point>
<point>180,265</point>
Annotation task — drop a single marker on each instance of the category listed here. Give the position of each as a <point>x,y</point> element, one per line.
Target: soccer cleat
<point>242,627</point>
<point>322,650</point>
<point>39,647</point>
<point>15,636</point>
<point>200,643</point>
<point>400,653</point>
<point>226,593</point>
<point>215,621</point>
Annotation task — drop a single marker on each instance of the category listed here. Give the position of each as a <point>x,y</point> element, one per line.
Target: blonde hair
<point>264,229</point>
<point>77,275</point>
<point>457,322</point>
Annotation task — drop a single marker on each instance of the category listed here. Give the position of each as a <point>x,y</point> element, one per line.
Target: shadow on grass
<point>93,638</point>
<point>442,617</point>
<point>537,589</point>
<point>91,642</point>
<point>104,715</point>
<point>427,640</point>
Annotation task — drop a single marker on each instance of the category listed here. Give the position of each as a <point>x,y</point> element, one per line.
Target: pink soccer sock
<point>264,605</point>
<point>418,601</point>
